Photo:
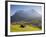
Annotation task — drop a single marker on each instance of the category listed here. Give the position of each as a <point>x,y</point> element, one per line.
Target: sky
<point>15,8</point>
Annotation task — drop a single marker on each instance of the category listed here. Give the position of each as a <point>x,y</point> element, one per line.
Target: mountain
<point>25,15</point>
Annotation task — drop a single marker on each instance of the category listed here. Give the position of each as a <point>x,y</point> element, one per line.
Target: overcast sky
<point>15,8</point>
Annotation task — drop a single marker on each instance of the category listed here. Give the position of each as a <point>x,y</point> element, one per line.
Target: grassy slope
<point>17,28</point>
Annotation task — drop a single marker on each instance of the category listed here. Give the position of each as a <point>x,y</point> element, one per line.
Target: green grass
<point>17,28</point>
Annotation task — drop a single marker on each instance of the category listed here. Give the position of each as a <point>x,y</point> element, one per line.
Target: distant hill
<point>25,15</point>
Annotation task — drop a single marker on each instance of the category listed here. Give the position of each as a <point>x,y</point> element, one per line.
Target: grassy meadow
<point>18,28</point>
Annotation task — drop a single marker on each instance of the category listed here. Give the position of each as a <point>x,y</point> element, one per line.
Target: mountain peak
<point>22,15</point>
